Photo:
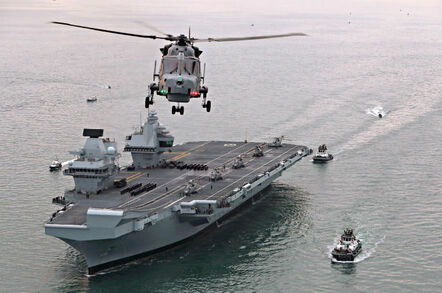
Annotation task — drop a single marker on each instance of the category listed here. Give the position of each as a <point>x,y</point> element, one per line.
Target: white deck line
<point>251,172</point>
<point>142,195</point>
<point>254,170</point>
<point>180,177</point>
<point>63,226</point>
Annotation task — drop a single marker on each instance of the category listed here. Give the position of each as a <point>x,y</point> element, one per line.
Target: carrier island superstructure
<point>169,194</point>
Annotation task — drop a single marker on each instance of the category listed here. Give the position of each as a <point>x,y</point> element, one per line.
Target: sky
<point>243,6</point>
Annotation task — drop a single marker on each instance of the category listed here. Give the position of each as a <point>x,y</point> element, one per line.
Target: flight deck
<point>171,181</point>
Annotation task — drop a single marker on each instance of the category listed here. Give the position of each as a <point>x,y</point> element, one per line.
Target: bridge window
<point>166,144</point>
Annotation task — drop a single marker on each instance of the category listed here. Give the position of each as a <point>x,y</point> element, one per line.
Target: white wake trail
<point>375,111</point>
<point>366,253</point>
<point>411,110</point>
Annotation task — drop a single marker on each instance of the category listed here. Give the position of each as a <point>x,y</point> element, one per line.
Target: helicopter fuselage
<point>180,75</point>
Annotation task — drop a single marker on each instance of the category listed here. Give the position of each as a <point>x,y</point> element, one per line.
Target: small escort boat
<point>55,165</point>
<point>322,156</point>
<point>91,99</point>
<point>348,247</point>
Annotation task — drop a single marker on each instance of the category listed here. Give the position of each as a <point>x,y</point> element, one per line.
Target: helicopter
<point>179,77</point>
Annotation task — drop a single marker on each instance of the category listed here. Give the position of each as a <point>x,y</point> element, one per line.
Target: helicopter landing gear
<point>178,109</point>
<point>148,101</point>
<point>207,105</point>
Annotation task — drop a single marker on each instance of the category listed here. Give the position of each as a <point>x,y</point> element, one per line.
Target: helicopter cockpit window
<point>191,67</point>
<point>170,65</point>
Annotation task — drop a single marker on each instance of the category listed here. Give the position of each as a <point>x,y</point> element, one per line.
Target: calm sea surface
<point>385,181</point>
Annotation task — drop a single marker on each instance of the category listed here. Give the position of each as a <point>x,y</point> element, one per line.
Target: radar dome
<point>111,150</point>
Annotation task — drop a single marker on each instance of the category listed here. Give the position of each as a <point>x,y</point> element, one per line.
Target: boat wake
<point>63,164</point>
<point>410,111</point>
<point>316,111</point>
<point>376,111</point>
<point>366,252</point>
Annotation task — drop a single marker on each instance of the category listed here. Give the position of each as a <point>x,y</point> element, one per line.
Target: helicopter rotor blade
<point>115,32</point>
<point>233,39</point>
<point>151,27</point>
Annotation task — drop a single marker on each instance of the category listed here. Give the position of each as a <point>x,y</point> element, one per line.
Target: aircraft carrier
<point>169,194</point>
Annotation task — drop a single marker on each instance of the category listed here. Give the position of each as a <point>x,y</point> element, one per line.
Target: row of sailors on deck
<point>322,148</point>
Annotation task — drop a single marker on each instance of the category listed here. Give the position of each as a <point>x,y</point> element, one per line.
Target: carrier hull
<point>112,228</point>
<point>104,254</point>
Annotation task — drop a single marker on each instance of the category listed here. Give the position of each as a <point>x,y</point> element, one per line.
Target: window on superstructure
<point>165,144</point>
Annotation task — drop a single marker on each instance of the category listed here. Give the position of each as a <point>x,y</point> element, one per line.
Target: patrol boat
<point>114,215</point>
<point>55,165</point>
<point>348,247</point>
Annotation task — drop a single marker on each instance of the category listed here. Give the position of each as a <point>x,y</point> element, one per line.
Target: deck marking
<point>178,155</point>
<point>202,187</point>
<point>140,196</point>
<point>137,176</point>
<point>173,203</point>
<point>136,173</point>
<point>132,176</point>
<point>200,177</point>
<point>176,158</point>
<point>229,153</point>
<point>251,172</point>
<point>179,177</point>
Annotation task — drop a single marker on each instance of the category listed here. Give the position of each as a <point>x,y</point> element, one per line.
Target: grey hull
<point>171,231</point>
<point>115,227</point>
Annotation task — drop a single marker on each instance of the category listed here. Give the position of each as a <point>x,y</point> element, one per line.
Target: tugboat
<point>322,156</point>
<point>91,99</point>
<point>348,247</point>
<point>55,165</point>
